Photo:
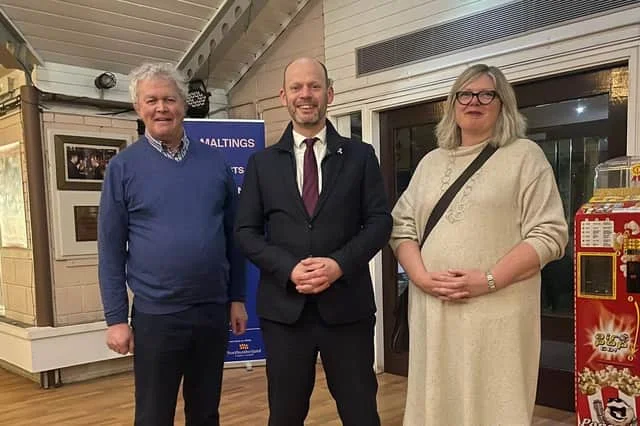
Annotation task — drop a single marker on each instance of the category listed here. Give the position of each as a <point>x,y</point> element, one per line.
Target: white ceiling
<point>217,40</point>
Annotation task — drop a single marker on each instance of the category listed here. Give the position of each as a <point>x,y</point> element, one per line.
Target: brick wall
<point>16,264</point>
<point>75,277</point>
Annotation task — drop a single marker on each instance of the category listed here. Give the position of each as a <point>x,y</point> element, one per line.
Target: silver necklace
<point>455,212</point>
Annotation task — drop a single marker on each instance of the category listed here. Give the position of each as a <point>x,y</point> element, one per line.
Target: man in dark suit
<point>73,166</point>
<point>312,214</point>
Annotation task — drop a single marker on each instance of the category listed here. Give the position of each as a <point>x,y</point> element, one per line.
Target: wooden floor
<point>109,402</point>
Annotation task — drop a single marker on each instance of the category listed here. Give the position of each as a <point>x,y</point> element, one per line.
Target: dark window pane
<point>573,136</point>
<point>356,125</point>
<point>411,144</point>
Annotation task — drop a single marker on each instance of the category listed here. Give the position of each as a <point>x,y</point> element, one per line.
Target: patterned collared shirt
<point>178,155</point>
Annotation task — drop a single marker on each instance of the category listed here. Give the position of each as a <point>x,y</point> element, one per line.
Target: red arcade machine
<point>607,297</point>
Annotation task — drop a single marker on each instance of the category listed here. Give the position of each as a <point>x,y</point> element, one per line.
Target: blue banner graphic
<point>237,139</point>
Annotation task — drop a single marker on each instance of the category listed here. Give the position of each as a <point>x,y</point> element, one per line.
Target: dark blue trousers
<point>347,357</point>
<point>189,345</point>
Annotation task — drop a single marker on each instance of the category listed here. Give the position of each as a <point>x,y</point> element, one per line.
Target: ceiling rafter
<point>232,38</point>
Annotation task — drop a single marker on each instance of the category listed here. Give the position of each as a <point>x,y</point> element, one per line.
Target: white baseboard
<point>37,349</point>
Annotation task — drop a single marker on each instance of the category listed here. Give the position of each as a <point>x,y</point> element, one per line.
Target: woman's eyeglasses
<point>484,97</point>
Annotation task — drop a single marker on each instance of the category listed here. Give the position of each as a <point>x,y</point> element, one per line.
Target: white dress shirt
<point>319,149</point>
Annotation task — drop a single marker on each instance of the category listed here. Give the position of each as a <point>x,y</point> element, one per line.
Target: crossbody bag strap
<point>451,192</point>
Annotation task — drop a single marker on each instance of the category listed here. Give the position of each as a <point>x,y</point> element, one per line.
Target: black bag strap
<point>451,192</point>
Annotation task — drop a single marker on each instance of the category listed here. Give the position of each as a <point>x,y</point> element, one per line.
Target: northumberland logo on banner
<point>237,139</point>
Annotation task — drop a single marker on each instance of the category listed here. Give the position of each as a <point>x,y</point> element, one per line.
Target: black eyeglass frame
<point>493,93</point>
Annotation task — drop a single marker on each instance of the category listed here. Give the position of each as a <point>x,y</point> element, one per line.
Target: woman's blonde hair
<point>510,124</point>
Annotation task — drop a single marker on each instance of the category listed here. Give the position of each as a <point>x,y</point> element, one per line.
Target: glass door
<point>410,133</point>
<point>579,121</point>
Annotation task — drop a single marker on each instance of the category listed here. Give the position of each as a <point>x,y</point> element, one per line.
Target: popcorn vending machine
<point>607,297</point>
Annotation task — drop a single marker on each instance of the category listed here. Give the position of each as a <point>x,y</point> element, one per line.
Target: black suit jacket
<point>351,224</point>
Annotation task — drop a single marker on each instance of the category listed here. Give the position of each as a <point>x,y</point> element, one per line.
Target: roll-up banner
<point>237,140</point>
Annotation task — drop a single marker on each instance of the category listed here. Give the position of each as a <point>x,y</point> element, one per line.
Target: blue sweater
<point>164,228</point>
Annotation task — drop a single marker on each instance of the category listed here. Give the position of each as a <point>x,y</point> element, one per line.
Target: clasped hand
<point>454,284</point>
<point>314,275</point>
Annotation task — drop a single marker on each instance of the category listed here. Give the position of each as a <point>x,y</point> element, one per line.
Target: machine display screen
<point>596,278</point>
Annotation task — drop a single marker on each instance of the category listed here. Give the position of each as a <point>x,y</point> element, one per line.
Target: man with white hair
<point>165,230</point>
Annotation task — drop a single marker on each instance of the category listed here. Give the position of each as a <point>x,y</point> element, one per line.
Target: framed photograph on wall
<point>81,161</point>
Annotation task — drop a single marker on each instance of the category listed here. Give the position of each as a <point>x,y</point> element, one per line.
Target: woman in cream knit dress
<point>474,298</point>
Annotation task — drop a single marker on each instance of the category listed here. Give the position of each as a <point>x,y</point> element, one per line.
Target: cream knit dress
<point>476,363</point>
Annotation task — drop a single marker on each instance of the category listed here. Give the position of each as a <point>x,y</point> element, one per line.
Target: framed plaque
<point>86,222</point>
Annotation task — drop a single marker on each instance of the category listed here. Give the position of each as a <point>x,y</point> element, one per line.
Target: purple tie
<point>310,177</point>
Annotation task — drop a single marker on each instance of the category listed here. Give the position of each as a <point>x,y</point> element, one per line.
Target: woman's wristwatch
<point>491,282</point>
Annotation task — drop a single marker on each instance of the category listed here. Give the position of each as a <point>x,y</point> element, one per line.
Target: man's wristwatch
<point>491,282</point>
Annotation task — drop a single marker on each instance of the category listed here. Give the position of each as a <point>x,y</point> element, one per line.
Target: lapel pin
<point>339,151</point>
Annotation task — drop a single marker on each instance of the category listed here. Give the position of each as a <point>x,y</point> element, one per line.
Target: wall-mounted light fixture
<point>106,80</point>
